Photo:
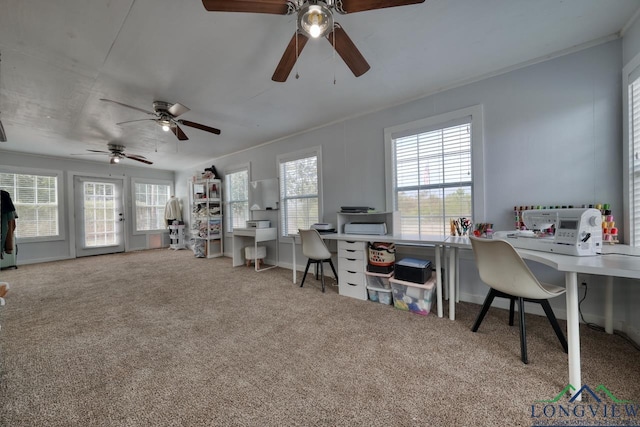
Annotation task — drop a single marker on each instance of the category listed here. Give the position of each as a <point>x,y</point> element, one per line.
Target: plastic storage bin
<point>379,294</point>
<point>379,279</point>
<point>413,297</point>
<point>413,270</point>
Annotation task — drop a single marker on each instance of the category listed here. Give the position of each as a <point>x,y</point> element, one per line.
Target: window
<point>36,200</point>
<point>300,190</point>
<point>150,200</point>
<point>431,166</point>
<point>631,151</point>
<point>237,194</point>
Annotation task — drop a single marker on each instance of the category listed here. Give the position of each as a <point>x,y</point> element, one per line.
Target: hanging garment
<point>172,210</point>
<point>8,222</point>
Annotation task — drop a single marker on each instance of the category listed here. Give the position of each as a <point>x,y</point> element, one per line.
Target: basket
<point>382,254</point>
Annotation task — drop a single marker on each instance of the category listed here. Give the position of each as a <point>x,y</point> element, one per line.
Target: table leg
<point>457,276</point>
<point>573,331</point>
<point>438,280</point>
<point>608,305</point>
<point>255,249</point>
<point>453,255</point>
<point>293,252</point>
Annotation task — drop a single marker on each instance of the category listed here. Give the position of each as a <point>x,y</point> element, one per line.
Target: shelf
<point>206,217</point>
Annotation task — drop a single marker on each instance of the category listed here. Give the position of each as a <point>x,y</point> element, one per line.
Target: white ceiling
<point>59,57</point>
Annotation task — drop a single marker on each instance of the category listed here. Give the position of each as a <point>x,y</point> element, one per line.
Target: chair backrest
<point>502,268</point>
<point>312,245</point>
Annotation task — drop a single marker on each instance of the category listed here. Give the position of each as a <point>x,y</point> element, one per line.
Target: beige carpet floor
<point>161,338</point>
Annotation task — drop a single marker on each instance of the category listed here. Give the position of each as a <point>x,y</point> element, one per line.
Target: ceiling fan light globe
<point>316,20</point>
<point>166,128</point>
<point>314,31</point>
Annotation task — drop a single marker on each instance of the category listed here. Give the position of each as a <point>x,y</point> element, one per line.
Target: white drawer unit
<point>350,254</point>
<point>352,262</point>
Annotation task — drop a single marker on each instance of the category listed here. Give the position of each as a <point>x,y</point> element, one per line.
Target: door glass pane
<point>100,214</point>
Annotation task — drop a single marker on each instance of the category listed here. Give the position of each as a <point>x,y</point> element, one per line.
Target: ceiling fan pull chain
<point>296,33</point>
<point>334,54</point>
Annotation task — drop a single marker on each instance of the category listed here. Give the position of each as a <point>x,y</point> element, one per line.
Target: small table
<point>244,236</point>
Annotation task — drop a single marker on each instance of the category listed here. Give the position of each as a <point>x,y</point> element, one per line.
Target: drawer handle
<point>351,259</point>
<point>350,250</point>
<point>350,241</point>
<point>352,272</point>
<point>351,284</point>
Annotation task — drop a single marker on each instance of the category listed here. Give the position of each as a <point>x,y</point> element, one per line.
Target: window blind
<point>151,200</point>
<point>433,177</point>
<point>634,108</point>
<point>237,193</point>
<point>36,200</point>
<point>299,194</point>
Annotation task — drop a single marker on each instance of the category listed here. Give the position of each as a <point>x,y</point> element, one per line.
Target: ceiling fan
<point>116,153</point>
<point>315,19</point>
<point>165,115</point>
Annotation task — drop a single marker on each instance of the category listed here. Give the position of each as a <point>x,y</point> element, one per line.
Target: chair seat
<point>554,289</point>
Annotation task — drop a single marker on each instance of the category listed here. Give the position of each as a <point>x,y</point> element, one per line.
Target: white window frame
<point>135,181</point>
<point>477,153</point>
<point>293,156</point>
<point>61,211</point>
<point>227,194</point>
<point>628,182</point>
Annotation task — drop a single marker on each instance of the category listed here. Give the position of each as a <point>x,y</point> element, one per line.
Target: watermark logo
<point>599,407</point>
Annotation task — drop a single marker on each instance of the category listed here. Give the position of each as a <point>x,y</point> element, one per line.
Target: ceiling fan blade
<point>352,6</point>
<point>348,51</point>
<point>178,132</point>
<point>276,7</point>
<point>138,158</point>
<point>289,57</point>
<point>176,109</point>
<point>98,151</point>
<point>199,126</point>
<point>133,121</point>
<point>128,106</point>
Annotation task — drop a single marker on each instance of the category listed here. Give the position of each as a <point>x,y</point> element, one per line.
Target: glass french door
<point>99,216</point>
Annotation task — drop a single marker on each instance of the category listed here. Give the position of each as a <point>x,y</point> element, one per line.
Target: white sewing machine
<point>578,231</point>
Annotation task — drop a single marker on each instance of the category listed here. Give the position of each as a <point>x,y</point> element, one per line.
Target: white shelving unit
<point>205,218</point>
<point>176,236</point>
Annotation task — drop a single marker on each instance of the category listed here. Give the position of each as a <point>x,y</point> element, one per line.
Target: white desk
<point>616,261</point>
<point>436,241</point>
<point>244,236</point>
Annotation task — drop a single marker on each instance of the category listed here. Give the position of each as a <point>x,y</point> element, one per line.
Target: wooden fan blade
<point>352,6</point>
<point>128,106</point>
<point>289,57</point>
<point>348,51</point>
<point>99,151</point>
<point>176,109</point>
<point>199,126</point>
<point>178,132</point>
<point>138,158</point>
<point>276,7</point>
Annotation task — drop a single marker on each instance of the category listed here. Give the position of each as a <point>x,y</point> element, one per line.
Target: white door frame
<point>74,216</point>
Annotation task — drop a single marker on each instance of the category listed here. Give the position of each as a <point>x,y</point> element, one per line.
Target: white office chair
<point>313,247</point>
<point>502,268</point>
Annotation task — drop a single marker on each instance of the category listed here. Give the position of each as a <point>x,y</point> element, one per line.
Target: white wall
<point>552,136</point>
<point>30,252</point>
